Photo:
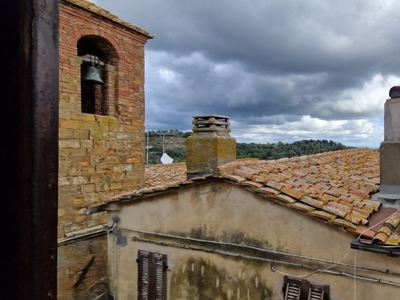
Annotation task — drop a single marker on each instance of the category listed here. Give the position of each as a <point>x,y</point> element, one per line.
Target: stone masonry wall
<point>81,264</point>
<point>100,156</point>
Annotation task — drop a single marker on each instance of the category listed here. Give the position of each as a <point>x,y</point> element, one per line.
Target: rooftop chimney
<point>210,145</point>
<point>390,148</point>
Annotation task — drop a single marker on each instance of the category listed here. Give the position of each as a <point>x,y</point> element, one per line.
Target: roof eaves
<point>141,194</point>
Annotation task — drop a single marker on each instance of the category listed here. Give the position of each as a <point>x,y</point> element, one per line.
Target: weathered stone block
<point>102,186</point>
<point>62,181</point>
<point>91,125</point>
<point>68,133</point>
<point>116,185</point>
<point>66,123</point>
<point>88,170</point>
<point>78,200</point>
<point>91,197</point>
<point>69,190</point>
<point>77,180</point>
<point>107,119</point>
<point>115,159</point>
<point>123,152</point>
<point>76,152</point>
<point>69,143</point>
<point>125,136</point>
<point>130,184</point>
<point>87,144</point>
<point>106,195</point>
<point>87,188</point>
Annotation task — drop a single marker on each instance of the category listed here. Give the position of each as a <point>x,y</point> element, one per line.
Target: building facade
<point>300,228</point>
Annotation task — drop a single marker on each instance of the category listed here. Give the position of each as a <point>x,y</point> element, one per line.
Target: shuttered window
<point>301,289</point>
<point>152,277</point>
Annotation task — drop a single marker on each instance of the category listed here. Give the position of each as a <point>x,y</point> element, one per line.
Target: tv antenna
<point>165,158</point>
<point>147,147</point>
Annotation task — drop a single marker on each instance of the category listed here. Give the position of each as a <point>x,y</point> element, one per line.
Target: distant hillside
<point>280,150</point>
<point>175,146</point>
<point>174,142</point>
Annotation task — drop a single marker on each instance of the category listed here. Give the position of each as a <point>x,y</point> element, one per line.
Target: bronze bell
<point>93,75</point>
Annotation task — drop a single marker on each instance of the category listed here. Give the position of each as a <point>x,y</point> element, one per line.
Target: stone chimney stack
<point>390,147</point>
<point>210,145</point>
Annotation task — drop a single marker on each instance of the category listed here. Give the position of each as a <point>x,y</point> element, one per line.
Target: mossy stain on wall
<point>201,279</point>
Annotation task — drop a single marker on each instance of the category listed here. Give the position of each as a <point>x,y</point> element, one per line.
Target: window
<point>301,289</point>
<point>152,277</point>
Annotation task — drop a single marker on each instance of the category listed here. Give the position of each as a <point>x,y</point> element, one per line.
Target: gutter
<point>86,233</point>
<point>392,251</point>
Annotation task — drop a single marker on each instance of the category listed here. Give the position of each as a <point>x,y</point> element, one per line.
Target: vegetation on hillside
<point>173,142</point>
<point>280,150</point>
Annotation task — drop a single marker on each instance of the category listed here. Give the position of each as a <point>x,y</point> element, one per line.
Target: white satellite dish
<point>166,159</point>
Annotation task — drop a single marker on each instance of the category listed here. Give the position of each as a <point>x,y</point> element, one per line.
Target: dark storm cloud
<point>265,62</point>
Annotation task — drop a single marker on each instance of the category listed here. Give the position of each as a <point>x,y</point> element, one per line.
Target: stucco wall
<point>223,212</point>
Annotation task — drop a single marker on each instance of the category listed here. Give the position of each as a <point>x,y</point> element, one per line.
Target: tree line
<point>243,150</point>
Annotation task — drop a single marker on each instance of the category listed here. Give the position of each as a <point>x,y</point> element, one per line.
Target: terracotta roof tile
<point>322,215</point>
<point>267,190</point>
<point>251,184</point>
<point>286,199</point>
<point>336,208</point>
<point>363,231</point>
<point>311,201</point>
<point>386,230</point>
<point>332,186</point>
<point>393,239</point>
<point>294,192</point>
<point>343,223</point>
<point>243,173</point>
<point>164,174</point>
<point>393,221</point>
<point>274,184</point>
<point>301,206</point>
<point>379,238</point>
<point>236,178</point>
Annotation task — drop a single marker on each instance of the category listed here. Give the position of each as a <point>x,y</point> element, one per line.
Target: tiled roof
<point>164,175</point>
<point>93,8</point>
<point>335,187</point>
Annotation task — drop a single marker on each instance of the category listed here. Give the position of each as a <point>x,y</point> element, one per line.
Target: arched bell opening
<point>98,76</point>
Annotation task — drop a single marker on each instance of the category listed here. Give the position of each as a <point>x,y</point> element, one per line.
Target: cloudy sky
<point>282,70</point>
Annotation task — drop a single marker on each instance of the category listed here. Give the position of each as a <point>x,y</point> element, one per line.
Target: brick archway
<point>77,33</point>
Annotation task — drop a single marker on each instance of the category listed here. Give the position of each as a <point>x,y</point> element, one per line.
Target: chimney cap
<point>211,123</point>
<point>394,92</point>
<point>211,115</point>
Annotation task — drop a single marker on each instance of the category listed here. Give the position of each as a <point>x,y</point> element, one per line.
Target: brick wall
<point>100,156</point>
